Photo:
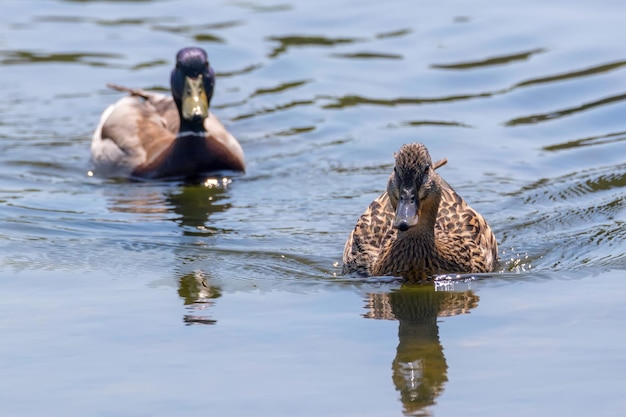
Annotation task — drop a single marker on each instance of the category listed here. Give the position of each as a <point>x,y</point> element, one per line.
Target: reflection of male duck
<point>194,204</point>
<point>419,368</point>
<point>190,207</point>
<point>198,295</point>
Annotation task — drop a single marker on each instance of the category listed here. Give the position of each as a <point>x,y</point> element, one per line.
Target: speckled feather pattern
<point>456,240</point>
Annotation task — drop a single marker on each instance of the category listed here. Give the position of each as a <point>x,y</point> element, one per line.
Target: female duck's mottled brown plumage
<point>419,227</point>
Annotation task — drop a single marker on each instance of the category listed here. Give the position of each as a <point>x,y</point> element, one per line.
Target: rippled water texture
<point>171,299</point>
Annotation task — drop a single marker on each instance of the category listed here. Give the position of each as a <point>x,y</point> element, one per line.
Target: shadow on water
<point>419,369</point>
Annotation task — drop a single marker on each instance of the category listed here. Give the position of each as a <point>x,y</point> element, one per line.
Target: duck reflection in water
<point>419,370</point>
<point>198,296</point>
<point>190,207</point>
<point>194,205</point>
<point>190,204</point>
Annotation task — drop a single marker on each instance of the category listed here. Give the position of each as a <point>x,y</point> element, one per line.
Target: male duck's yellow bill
<point>195,103</point>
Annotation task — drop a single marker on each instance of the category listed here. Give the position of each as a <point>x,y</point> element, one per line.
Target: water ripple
<point>278,108</point>
<point>367,55</point>
<point>543,117</point>
<point>31,57</point>
<point>394,33</point>
<point>589,141</point>
<point>198,28</point>
<point>285,86</point>
<point>488,62</point>
<point>574,220</point>
<point>415,123</point>
<point>352,100</point>
<point>287,42</point>
<point>599,69</point>
<point>261,8</point>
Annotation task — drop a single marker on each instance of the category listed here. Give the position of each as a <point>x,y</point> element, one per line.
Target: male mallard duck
<point>149,135</point>
<point>419,227</point>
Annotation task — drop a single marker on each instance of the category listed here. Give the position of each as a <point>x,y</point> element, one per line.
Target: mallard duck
<point>419,227</point>
<point>149,135</point>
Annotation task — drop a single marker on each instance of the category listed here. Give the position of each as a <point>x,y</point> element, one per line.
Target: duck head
<point>413,188</point>
<point>192,82</point>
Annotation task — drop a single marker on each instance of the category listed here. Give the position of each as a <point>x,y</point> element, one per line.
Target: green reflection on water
<point>599,69</point>
<point>194,204</point>
<point>149,64</point>
<point>542,117</point>
<point>498,60</point>
<point>588,141</point>
<point>357,100</point>
<point>208,37</point>
<point>280,88</point>
<point>394,34</point>
<point>275,109</point>
<point>30,57</point>
<point>261,8</point>
<point>287,42</point>
<point>368,55</point>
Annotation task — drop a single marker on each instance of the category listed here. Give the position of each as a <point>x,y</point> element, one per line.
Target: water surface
<point>165,298</point>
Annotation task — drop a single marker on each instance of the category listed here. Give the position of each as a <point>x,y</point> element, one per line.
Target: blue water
<point>171,299</point>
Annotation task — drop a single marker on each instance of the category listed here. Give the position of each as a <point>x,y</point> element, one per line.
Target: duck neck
<point>193,126</point>
<point>419,240</point>
<point>414,252</point>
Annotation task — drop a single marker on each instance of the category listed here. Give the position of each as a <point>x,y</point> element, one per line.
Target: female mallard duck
<point>419,227</point>
<point>148,135</point>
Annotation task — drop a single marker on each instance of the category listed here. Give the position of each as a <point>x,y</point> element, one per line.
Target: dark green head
<point>192,82</point>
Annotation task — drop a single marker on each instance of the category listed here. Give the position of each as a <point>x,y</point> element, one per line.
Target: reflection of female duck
<point>419,367</point>
<point>148,135</point>
<point>420,226</point>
